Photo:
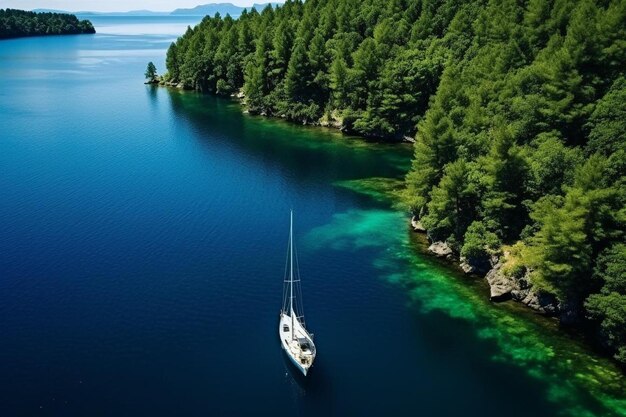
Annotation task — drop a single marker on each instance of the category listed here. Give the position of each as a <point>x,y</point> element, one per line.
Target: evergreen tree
<point>19,23</point>
<point>608,307</point>
<point>518,112</point>
<point>297,79</point>
<point>151,71</point>
<point>505,177</point>
<point>172,63</point>
<point>453,203</point>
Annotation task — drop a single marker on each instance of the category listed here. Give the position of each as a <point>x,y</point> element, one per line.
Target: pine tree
<point>151,71</point>
<point>298,75</point>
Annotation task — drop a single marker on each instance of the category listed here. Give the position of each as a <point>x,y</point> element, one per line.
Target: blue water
<point>142,245</point>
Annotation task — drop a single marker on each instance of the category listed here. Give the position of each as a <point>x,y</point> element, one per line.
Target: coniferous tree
<point>517,110</point>
<point>151,71</point>
<point>18,23</point>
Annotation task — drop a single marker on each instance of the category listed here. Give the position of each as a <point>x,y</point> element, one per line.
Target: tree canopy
<point>352,60</point>
<point>151,71</point>
<point>19,23</point>
<point>518,110</point>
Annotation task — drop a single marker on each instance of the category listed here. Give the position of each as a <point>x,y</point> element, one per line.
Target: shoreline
<point>46,35</point>
<point>332,122</point>
<point>502,286</point>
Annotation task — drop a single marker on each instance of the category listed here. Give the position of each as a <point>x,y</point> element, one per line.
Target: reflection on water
<point>311,395</point>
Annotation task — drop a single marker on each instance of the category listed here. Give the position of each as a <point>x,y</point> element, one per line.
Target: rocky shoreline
<point>503,285</point>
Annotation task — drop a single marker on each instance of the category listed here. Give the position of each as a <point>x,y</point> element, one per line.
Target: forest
<point>517,109</point>
<point>20,23</point>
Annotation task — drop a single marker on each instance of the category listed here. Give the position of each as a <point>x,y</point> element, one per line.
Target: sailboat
<point>295,339</point>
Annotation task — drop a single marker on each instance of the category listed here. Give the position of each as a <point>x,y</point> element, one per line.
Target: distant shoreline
<point>21,24</point>
<point>199,11</point>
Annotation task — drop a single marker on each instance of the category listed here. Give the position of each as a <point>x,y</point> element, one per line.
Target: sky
<point>115,5</point>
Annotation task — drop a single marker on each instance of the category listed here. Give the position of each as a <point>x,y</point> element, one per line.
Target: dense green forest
<point>518,109</point>
<point>19,23</point>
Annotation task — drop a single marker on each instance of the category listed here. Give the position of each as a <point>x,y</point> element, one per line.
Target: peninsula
<point>19,23</point>
<point>516,110</point>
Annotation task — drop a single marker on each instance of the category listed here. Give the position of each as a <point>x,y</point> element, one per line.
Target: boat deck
<point>301,348</point>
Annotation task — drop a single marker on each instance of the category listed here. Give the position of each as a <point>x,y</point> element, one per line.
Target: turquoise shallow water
<point>142,239</point>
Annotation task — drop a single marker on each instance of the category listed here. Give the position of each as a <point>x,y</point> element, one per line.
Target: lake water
<point>143,234</point>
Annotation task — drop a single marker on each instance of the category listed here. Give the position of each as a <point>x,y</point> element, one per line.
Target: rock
<point>477,266</point>
<point>520,290</point>
<point>440,250</point>
<point>180,86</point>
<point>539,301</point>
<point>542,302</point>
<point>408,139</point>
<point>500,285</point>
<point>417,225</point>
<point>154,80</point>
<point>466,267</point>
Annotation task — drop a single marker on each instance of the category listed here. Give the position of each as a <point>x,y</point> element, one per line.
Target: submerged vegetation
<point>518,109</point>
<point>582,384</point>
<point>19,23</point>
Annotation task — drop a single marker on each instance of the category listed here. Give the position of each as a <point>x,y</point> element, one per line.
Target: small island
<point>19,23</point>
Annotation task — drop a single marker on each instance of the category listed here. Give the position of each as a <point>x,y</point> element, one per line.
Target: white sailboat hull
<point>298,346</point>
<point>296,364</point>
<point>294,338</point>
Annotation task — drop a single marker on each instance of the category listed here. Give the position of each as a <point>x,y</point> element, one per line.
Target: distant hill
<point>129,13</point>
<point>201,10</point>
<point>48,11</point>
<point>89,13</point>
<point>221,8</point>
<point>210,9</point>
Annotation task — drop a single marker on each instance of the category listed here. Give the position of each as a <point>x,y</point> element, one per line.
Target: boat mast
<point>291,271</point>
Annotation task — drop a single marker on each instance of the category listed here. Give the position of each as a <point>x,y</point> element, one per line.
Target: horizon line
<point>222,3</point>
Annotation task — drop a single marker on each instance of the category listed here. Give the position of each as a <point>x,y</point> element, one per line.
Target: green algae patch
<point>581,383</point>
<point>354,230</point>
<point>380,189</point>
